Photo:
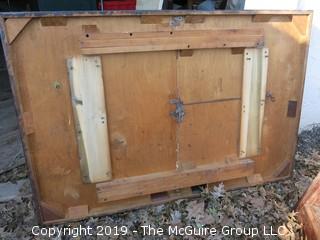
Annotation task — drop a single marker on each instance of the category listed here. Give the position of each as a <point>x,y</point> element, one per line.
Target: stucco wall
<point>311,100</point>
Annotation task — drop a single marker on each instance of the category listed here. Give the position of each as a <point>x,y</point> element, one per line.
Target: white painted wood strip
<point>88,100</point>
<point>253,101</point>
<point>245,105</point>
<point>264,76</point>
<point>254,105</point>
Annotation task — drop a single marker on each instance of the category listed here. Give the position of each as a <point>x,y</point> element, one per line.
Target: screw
<point>57,85</point>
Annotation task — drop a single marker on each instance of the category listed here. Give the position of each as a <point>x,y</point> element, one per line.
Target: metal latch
<point>179,113</point>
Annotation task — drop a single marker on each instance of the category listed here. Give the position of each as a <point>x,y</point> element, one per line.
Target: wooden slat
<point>263,87</point>
<point>51,213</point>
<point>88,100</point>
<point>253,100</point>
<point>272,18</point>
<point>310,217</point>
<point>53,22</point>
<point>169,40</point>
<point>246,89</point>
<point>14,27</point>
<point>312,195</point>
<point>309,210</point>
<point>300,23</point>
<point>77,211</point>
<point>165,181</point>
<point>166,34</point>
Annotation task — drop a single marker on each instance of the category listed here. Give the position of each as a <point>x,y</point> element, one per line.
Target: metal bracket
<point>270,96</point>
<point>179,113</point>
<point>176,21</point>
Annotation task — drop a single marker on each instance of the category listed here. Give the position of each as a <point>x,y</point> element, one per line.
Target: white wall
<point>311,100</point>
<point>271,4</point>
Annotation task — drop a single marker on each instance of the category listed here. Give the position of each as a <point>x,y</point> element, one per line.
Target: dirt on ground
<point>259,207</point>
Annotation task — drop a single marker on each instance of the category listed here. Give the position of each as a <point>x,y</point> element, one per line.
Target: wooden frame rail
<point>171,180</point>
<point>103,43</point>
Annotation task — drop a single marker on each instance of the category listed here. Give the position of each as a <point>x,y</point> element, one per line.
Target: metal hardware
<point>270,96</point>
<point>176,21</point>
<point>292,108</point>
<point>213,101</point>
<point>77,101</point>
<point>179,113</point>
<point>260,44</point>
